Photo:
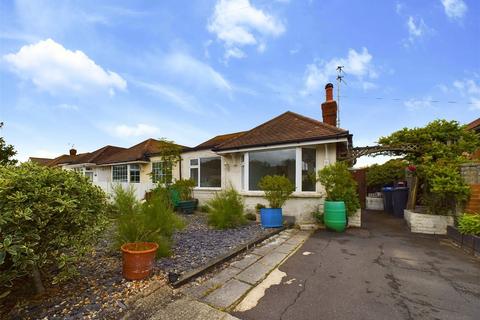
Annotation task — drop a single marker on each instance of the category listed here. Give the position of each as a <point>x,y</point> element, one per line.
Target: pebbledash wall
<point>300,207</point>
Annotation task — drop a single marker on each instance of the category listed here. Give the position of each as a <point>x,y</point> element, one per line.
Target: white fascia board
<point>284,146</point>
<point>121,163</point>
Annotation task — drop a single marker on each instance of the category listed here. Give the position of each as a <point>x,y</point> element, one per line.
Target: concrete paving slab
<point>216,281</point>
<point>185,309</point>
<point>273,259</point>
<point>228,294</point>
<point>254,273</point>
<point>286,248</point>
<point>223,276</point>
<point>246,261</point>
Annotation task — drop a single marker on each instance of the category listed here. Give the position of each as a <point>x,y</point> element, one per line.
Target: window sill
<point>303,194</point>
<point>207,189</point>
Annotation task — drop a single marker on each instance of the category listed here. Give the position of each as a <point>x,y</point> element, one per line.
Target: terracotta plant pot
<point>138,259</point>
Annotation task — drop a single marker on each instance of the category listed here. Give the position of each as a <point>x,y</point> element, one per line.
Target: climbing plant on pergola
<point>441,146</point>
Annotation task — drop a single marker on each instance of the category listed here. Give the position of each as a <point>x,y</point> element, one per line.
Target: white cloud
<point>194,70</point>
<point>399,6</point>
<point>68,106</point>
<point>357,64</point>
<point>139,130</point>
<point>470,89</point>
<point>55,69</point>
<point>454,9</point>
<point>176,96</point>
<point>418,104</point>
<point>417,29</point>
<point>238,23</point>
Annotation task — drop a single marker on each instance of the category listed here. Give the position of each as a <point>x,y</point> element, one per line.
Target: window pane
<point>194,175</point>
<point>194,162</point>
<point>89,175</point>
<point>160,173</point>
<point>119,173</point>
<point>274,162</point>
<point>210,172</point>
<point>308,169</point>
<point>135,173</point>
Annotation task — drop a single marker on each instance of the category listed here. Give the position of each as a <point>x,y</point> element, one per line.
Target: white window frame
<point>162,171</point>
<point>128,173</point>
<point>197,166</point>
<point>298,170</point>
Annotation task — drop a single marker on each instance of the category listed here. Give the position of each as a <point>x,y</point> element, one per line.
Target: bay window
<point>206,172</point>
<point>270,162</point>
<point>297,164</point>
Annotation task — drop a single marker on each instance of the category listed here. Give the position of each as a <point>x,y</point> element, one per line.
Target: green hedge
<point>48,217</point>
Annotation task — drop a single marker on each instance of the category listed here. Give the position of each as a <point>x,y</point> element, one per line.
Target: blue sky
<point>92,73</point>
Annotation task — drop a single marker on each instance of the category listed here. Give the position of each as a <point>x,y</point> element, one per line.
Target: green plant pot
<point>187,206</point>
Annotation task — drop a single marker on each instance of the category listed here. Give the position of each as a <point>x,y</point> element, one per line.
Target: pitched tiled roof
<point>40,161</point>
<point>215,141</point>
<point>139,152</point>
<point>474,125</point>
<point>97,155</point>
<point>288,127</point>
<point>63,159</point>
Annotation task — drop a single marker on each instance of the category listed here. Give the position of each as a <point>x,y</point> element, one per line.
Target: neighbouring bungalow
<point>290,144</point>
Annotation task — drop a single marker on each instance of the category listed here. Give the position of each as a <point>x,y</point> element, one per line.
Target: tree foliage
<point>439,140</point>
<point>386,174</point>
<point>277,189</point>
<point>48,218</point>
<point>442,146</point>
<point>7,152</point>
<point>340,185</point>
<point>170,155</point>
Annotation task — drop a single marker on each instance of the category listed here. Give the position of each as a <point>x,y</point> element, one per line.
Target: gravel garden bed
<point>198,243</point>
<point>100,292</point>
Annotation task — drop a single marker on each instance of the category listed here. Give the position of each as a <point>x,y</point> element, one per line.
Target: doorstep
<point>226,289</point>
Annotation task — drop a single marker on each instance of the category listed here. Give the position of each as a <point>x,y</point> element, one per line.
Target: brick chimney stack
<point>73,152</point>
<point>329,107</point>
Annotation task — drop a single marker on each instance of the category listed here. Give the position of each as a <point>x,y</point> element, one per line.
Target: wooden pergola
<point>353,153</point>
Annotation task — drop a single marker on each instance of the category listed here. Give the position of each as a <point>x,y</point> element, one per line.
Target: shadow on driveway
<point>381,271</point>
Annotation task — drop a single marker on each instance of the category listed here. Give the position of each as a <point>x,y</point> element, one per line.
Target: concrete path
<point>224,290</point>
<point>381,272</point>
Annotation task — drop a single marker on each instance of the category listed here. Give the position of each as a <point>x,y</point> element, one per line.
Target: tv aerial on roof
<point>340,77</point>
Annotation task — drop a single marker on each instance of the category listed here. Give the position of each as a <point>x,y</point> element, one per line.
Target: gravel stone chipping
<point>198,243</point>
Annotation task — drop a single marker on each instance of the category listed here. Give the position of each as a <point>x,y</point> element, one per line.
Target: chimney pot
<point>329,92</point>
<point>73,152</point>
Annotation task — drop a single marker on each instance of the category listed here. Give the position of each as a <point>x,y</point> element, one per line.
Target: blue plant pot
<point>271,217</point>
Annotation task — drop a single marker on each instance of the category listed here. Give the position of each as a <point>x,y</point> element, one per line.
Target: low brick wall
<point>427,223</point>
<point>374,203</point>
<point>356,219</point>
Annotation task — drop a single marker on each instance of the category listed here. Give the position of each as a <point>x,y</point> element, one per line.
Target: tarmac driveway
<point>380,272</point>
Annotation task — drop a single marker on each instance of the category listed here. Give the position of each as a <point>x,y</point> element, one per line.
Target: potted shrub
<point>144,230</point>
<point>277,191</point>
<point>341,196</point>
<point>182,190</point>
